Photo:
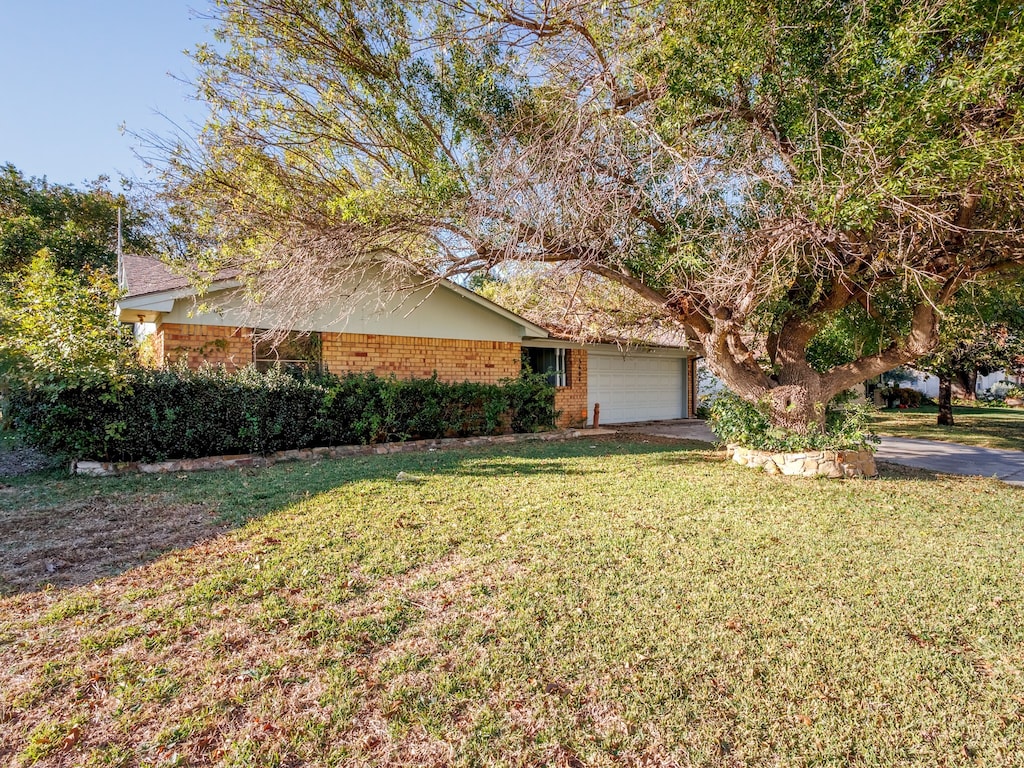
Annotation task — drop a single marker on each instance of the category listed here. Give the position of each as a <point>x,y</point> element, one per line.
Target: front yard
<point>987,427</point>
<point>596,602</point>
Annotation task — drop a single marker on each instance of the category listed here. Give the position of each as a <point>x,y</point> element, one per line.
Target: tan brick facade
<point>409,357</point>
<point>572,400</point>
<point>196,344</point>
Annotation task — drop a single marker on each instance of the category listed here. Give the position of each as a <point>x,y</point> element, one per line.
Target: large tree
<point>58,326</point>
<point>78,227</point>
<point>754,170</point>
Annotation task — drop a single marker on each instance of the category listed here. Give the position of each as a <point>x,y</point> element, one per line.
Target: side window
<point>554,363</point>
<point>296,351</point>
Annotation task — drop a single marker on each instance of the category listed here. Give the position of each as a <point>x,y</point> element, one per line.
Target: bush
<point>151,415</point>
<point>734,420</point>
<point>906,397</point>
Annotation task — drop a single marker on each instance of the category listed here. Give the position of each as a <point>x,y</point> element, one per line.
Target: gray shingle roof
<point>144,274</point>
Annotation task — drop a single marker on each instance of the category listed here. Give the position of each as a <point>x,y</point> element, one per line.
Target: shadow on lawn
<point>65,531</point>
<point>77,541</point>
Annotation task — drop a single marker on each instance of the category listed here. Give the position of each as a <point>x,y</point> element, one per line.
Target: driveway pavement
<point>953,458</point>
<point>948,458</point>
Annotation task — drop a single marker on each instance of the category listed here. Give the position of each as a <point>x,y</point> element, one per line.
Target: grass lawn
<point>988,427</point>
<point>596,602</point>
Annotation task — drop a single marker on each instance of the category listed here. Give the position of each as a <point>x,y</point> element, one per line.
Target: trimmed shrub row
<point>153,415</point>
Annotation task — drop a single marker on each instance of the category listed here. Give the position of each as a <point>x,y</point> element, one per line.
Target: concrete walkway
<point>948,458</point>
<point>680,429</point>
<point>953,458</point>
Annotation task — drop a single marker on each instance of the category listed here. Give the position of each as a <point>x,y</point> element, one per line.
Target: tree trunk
<point>795,396</point>
<point>794,408</point>
<point>965,384</point>
<point>945,402</point>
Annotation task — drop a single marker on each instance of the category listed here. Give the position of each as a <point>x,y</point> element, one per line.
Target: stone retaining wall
<point>833,464</point>
<point>112,468</point>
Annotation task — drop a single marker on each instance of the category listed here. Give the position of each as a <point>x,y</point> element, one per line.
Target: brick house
<point>443,328</point>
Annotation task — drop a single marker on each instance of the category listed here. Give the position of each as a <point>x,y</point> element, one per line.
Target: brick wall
<point>572,400</point>
<point>484,362</point>
<point>406,357</point>
<point>198,343</point>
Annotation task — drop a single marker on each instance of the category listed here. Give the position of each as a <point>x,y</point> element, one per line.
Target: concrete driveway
<point>948,458</point>
<point>953,458</point>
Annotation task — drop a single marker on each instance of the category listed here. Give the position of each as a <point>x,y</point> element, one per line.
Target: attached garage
<point>638,385</point>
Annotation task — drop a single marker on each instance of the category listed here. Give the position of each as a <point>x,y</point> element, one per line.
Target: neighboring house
<point>928,385</point>
<point>440,328</point>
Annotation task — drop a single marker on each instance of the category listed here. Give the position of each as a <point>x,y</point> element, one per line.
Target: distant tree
<point>77,226</point>
<point>981,332</point>
<point>752,169</point>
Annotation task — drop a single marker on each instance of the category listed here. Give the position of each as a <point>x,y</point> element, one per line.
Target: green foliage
<point>58,327</point>
<point>734,420</point>
<point>903,396</point>
<point>983,331</point>
<point>853,332</point>
<point>148,415</point>
<point>78,227</point>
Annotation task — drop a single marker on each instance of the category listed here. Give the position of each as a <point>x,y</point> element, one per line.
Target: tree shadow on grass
<point>63,531</point>
<point>83,539</point>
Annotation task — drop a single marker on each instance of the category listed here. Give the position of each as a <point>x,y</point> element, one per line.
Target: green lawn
<point>988,427</point>
<point>581,603</point>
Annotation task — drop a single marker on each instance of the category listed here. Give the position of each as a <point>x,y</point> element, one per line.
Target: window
<point>294,351</point>
<point>552,362</point>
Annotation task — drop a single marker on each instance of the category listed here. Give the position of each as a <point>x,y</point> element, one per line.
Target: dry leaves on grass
<point>80,541</point>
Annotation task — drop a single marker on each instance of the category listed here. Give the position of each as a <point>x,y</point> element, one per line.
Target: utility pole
<point>120,253</point>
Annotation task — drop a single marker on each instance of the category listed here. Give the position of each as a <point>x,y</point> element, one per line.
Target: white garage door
<point>635,387</point>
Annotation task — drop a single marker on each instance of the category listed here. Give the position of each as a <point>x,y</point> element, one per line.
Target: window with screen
<point>295,351</point>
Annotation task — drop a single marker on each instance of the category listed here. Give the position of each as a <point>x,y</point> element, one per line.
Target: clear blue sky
<point>72,72</point>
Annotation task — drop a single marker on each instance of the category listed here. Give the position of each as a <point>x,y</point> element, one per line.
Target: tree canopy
<point>753,170</point>
<point>77,226</point>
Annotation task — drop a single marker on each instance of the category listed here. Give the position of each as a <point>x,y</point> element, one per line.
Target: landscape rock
<point>110,469</point>
<point>827,463</point>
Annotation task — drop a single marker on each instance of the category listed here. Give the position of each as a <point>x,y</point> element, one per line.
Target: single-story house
<point>442,328</point>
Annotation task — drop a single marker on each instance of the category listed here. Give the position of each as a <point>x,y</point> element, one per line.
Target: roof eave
<point>530,330</point>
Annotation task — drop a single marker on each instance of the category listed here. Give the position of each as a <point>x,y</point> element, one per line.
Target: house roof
<point>152,285</point>
<point>144,275</point>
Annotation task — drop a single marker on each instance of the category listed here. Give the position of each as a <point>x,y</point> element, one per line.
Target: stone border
<point>115,468</point>
<point>832,464</point>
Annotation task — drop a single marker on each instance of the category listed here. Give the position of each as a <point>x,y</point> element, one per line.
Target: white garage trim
<point>637,386</point>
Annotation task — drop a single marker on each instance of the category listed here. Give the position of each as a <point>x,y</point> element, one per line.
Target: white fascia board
<point>530,330</point>
<point>553,343</point>
<point>150,306</point>
<point>177,293</point>
<point>638,351</point>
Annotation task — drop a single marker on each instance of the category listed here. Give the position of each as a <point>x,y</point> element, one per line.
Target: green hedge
<point>151,415</point>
